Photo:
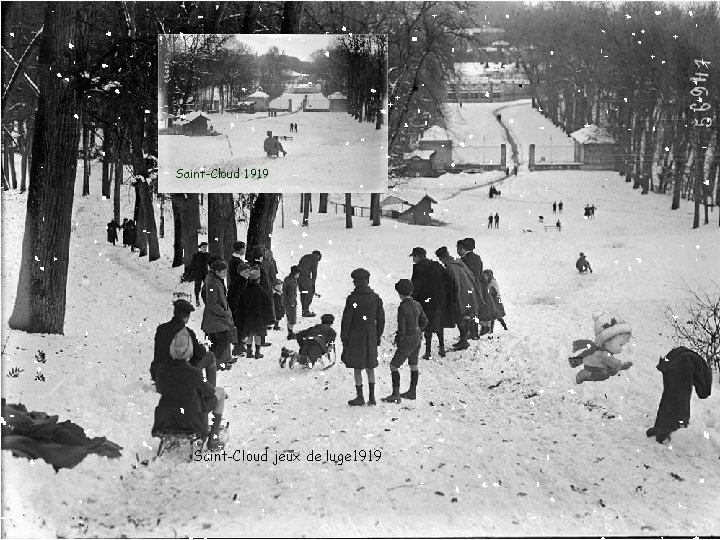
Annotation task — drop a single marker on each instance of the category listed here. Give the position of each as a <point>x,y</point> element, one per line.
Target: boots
<point>248,351</point>
<point>441,346</point>
<point>214,443</point>
<point>264,343</point>
<point>428,345</point>
<point>371,392</point>
<point>238,350</point>
<point>359,400</point>
<point>410,394</point>
<point>395,396</point>
<point>472,329</point>
<point>276,327</point>
<point>257,352</point>
<point>485,329</point>
<point>502,322</point>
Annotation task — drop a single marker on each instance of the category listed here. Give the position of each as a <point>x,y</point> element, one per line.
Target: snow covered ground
<point>501,441</point>
<point>329,153</point>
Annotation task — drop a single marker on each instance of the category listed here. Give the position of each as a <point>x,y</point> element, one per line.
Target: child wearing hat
<point>597,357</point>
<point>278,303</point>
<point>411,322</point>
<point>583,265</point>
<point>255,312</point>
<point>185,399</point>
<point>314,342</point>
<point>289,299</point>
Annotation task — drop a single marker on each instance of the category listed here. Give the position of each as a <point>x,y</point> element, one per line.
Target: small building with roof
<point>338,102</point>
<point>437,139</point>
<point>420,213</point>
<point>316,103</point>
<point>261,100</point>
<point>194,124</point>
<point>595,147</point>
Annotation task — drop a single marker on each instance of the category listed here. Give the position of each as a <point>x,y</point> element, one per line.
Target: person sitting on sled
<point>314,342</point>
<point>599,364</point>
<point>185,399</point>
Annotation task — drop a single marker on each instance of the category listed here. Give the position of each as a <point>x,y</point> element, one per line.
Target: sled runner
<point>186,443</point>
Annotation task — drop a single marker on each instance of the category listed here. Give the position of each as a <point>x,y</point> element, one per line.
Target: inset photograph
<point>278,113</point>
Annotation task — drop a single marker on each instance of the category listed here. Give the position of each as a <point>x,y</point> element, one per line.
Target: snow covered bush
<point>697,323</point>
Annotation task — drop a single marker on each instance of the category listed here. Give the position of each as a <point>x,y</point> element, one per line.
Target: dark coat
<point>308,273</point>
<point>682,369</point>
<point>217,316</point>
<point>234,297</point>
<point>411,321</point>
<point>322,334</point>
<point>271,270</point>
<point>289,298</point>
<point>198,270</point>
<point>255,311</point>
<point>185,399</point>
<point>429,280</point>
<point>233,263</point>
<point>467,293</point>
<point>163,337</point>
<point>128,232</point>
<point>264,280</point>
<point>112,228</point>
<point>363,323</point>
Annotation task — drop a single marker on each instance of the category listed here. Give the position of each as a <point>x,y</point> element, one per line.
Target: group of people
<point>293,128</point>
<point>514,170</point>
<point>557,206</point>
<point>272,113</point>
<point>272,146</point>
<point>494,219</point>
<point>494,192</point>
<point>128,228</point>
<point>590,211</point>
<point>440,294</point>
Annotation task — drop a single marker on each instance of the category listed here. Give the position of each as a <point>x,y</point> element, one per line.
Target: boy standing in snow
<point>611,335</point>
<point>411,322</point>
<point>277,303</point>
<point>289,299</point>
<point>255,312</point>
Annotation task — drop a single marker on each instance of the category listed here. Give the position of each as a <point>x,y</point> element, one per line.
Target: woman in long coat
<point>363,323</point>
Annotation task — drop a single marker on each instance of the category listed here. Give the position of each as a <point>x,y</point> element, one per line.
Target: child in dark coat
<point>499,309</point>
<point>255,312</point>
<point>278,303</point>
<point>185,398</point>
<point>411,322</point>
<point>314,342</point>
<point>289,299</point>
<point>583,265</point>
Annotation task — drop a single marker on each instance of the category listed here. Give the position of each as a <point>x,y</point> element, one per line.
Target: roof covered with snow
<point>259,94</point>
<point>593,134</point>
<point>392,199</point>
<point>336,95</point>
<point>423,154</point>
<point>192,116</point>
<point>435,133</point>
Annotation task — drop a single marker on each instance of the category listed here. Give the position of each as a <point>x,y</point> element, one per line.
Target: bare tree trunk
<point>698,180</point>
<point>262,218</point>
<point>348,211</point>
<point>306,209</point>
<point>177,202</point>
<point>40,300</point>
<point>86,160</point>
<point>375,208</point>
<point>10,153</point>
<point>118,176</point>
<point>323,203</point>
<point>24,155</point>
<point>162,215</point>
<point>222,227</point>
<point>107,159</point>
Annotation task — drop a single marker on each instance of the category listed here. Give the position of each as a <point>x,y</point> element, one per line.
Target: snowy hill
<point>501,441</point>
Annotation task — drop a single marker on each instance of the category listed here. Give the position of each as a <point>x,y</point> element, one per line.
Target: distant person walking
<point>291,127</point>
<point>490,221</point>
<point>515,170</point>
<point>558,225</point>
<point>554,207</point>
<point>497,220</point>
<point>592,212</point>
<point>560,206</point>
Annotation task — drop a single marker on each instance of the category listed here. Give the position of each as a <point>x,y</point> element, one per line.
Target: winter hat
<point>442,253</point>
<point>360,274</point>
<point>202,244</point>
<point>219,265</point>
<point>181,347</point>
<point>418,252</point>
<point>582,254</point>
<point>295,269</point>
<point>404,287</point>
<point>468,243</point>
<point>183,307</point>
<point>254,274</point>
<point>327,319</point>
<point>608,326</point>
<point>318,254</point>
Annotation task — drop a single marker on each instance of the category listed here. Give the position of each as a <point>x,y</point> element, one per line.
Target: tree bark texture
<point>222,226</point>
<point>262,218</point>
<point>41,293</point>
